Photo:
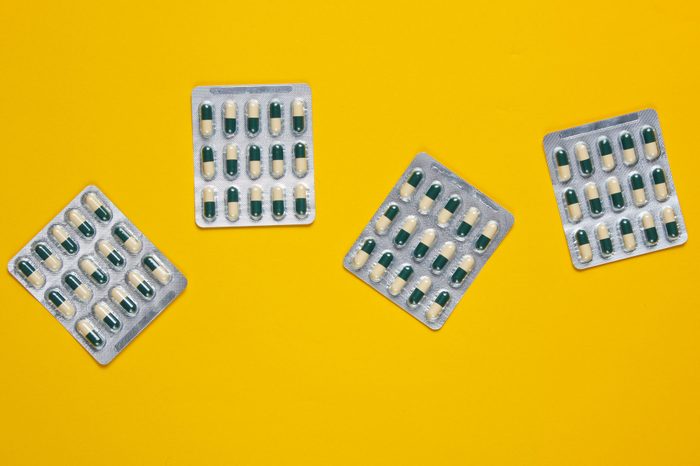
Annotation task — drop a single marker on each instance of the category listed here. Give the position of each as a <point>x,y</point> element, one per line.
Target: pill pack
<point>99,276</point>
<point>427,242</point>
<point>614,189</point>
<point>253,155</point>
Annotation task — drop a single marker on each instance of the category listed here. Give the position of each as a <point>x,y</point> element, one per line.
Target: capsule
<point>277,195</point>
<point>466,265</point>
<point>275,118</point>
<point>629,154</point>
<point>668,217</point>
<point>109,252</point>
<point>61,304</point>
<point>573,208</point>
<point>398,284</point>
<point>651,146</point>
<point>638,194</point>
<point>604,241</point>
<point>629,242</point>
<point>254,165</point>
<point>231,162</point>
<point>157,269</point>
<point>660,188</point>
<point>585,254</point>
<point>649,227</point>
<point>232,207</point>
<point>80,290</point>
<point>407,229</point>
<point>426,202</point>
<point>595,205</point>
<point>104,314</point>
<point>487,234</point>
<point>140,284</point>
<point>300,202</point>
<point>410,185</point>
<point>615,193</point>
<point>127,239</point>
<point>446,254</point>
<point>208,166</point>
<point>584,159</point>
<point>277,164</point>
<point>426,242</point>
<point>230,110</point>
<point>422,287</point>
<point>122,299</point>
<point>63,238</point>
<point>50,260</point>
<point>206,119</point>
<point>33,275</point>
<point>363,254</point>
<point>208,203</point>
<point>301,164</point>
<point>95,205</point>
<point>445,215</point>
<point>298,116</point>
<point>563,167</point>
<point>384,222</point>
<point>436,307</point>
<point>80,223</point>
<point>255,202</point>
<point>92,270</point>
<point>253,117</point>
<point>468,222</point>
<point>379,269</point>
<point>90,333</point>
<point>607,159</point>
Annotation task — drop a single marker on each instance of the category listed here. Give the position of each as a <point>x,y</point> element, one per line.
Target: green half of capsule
<point>439,263</point>
<point>254,153</point>
<point>278,208</point>
<point>561,157</point>
<point>420,250</point>
<point>386,259</point>
<point>56,298</point>
<point>115,258</point>
<point>26,268</point>
<point>458,276</point>
<point>275,110</point>
<point>210,209</point>
<point>586,166</point>
<point>232,194</point>
<point>671,228</point>
<point>391,212</point>
<point>401,237</point>
<point>596,205</point>
<point>299,150</point>
<point>648,135</point>
<point>207,154</point>
<point>99,276</point>
<point>463,229</point>
<point>127,304</point>
<point>434,191</point>
<point>606,246</point>
<point>637,181</point>
<point>255,208</point>
<point>581,238</point>
<point>43,251</point>
<point>145,289</point>
<point>651,235</point>
<point>368,246</point>
<point>658,176</point>
<point>604,147</point>
<point>206,112</point>
<point>442,298</point>
<point>121,234</point>
<point>625,226</point>
<point>617,200</point>
<point>277,152</point>
<point>72,281</point>
<point>626,141</point>
<point>105,314</point>
<point>69,245</point>
<point>415,178</point>
<point>298,122</point>
<point>406,273</point>
<point>452,204</point>
<point>253,124</point>
<point>570,197</point>
<point>229,125</point>
<point>416,296</point>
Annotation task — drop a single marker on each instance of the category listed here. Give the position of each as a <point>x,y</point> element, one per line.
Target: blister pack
<point>253,155</point>
<point>614,189</point>
<point>427,242</point>
<point>101,278</point>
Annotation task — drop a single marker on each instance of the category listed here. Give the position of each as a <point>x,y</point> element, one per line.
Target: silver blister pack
<point>253,155</point>
<point>99,276</point>
<point>614,189</point>
<point>427,242</point>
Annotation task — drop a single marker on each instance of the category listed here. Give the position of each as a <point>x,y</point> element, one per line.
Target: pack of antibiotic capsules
<point>101,278</point>
<point>253,155</point>
<point>614,189</point>
<point>427,242</point>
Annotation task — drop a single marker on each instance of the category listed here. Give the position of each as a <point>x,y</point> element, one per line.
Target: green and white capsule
<point>90,333</point>
<point>604,241</point>
<point>208,166</point>
<point>127,239</point>
<point>254,164</point>
<point>110,253</point>
<point>668,217</point>
<point>300,200</point>
<point>231,162</point>
<point>629,154</point>
<point>436,307</point>
<point>97,207</point>
<point>639,196</point>
<point>255,202</point>
<point>487,234</point>
<point>140,284</point>
<point>660,187</point>
<point>230,115</point>
<point>426,242</point>
<point>298,116</point>
<point>585,164</point>
<point>277,161</point>
<point>384,222</point>
<point>629,242</point>
<point>615,193</point>
<point>445,215</point>
<point>426,202</point>
<point>595,205</point>
<point>422,287</point>
<point>104,314</point>
<point>398,284</point>
<point>157,269</point>
<point>62,237</point>
<point>563,168</point>
<point>409,186</point>
<point>121,298</point>
<point>59,302</point>
<point>275,118</point>
<point>651,145</point>
<point>277,196</point>
<point>92,270</point>
<point>232,205</point>
<point>465,267</point>
<point>360,258</point>
<point>33,275</point>
<point>468,222</point>
<point>585,253</point>
<point>447,252</point>
<point>379,269</point>
<point>649,227</point>
<point>206,119</point>
<point>78,221</point>
<point>209,203</point>
<point>79,289</point>
<point>573,208</point>
<point>301,163</point>
<point>407,229</point>
<point>50,260</point>
<point>607,159</point>
<point>252,117</point>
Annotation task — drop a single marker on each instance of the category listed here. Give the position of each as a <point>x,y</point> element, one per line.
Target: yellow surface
<point>275,355</point>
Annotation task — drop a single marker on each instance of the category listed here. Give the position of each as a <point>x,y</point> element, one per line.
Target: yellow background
<point>275,355</point>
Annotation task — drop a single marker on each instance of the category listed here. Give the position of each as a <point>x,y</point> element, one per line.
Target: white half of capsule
<point>448,250</point>
<point>409,225</point>
<point>444,217</point>
<point>397,286</point>
<point>434,312</point>
<point>87,265</point>
<point>591,191</point>
<point>105,248</point>
<point>85,327</point>
<point>209,169</point>
<point>613,186</point>
<point>574,211</point>
<point>661,191</point>
<point>135,278</point>
<point>607,162</point>
<point>602,232</point>
<point>75,218</point>
<point>297,108</point>
<point>406,190</point>
<point>53,262</point>
<point>467,263</point>
<point>232,210</point>
<point>648,221</point>
<point>300,191</point>
<point>102,310</point>
<point>360,259</point>
<point>629,242</point>
<point>66,309</point>
<point>83,292</point>
<point>425,204</point>
<point>629,156</point>
<point>377,272</point>
<point>230,109</point>
<point>36,278</point>
<point>255,193</point>
<point>254,168</point>
<point>581,151</point>
<point>651,150</point>
<point>59,233</point>
<point>277,168</point>
<point>208,195</point>
<point>639,197</point>
<point>301,166</point>
<point>564,172</point>
<point>93,202</point>
<point>253,108</point>
<point>231,151</point>
<point>132,244</point>
<point>585,253</point>
<point>428,237</point>
<point>275,126</point>
<point>160,273</point>
<point>490,229</point>
<point>472,216</point>
<point>382,225</point>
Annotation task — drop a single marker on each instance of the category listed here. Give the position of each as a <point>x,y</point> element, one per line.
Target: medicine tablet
<point>629,242</point>
<point>231,162</point>
<point>252,117</point>
<point>275,118</point>
<point>660,188</point>
<point>104,314</point>
<point>79,289</point>
<point>255,202</point>
<point>584,159</point>
<point>110,253</point>
<point>668,217</point>
<point>398,284</point>
<point>230,115</point>
<point>563,168</point>
<point>208,165</point>
<point>487,234</point>
<point>61,304</point>
<point>436,307</point>
<point>595,205</point>
<point>33,275</point>
<point>629,154</point>
<point>50,260</point>
<point>407,229</point>
<point>607,160</point>
<point>426,242</point>
<point>466,265</point>
<point>603,235</point>
<point>232,204</point>
<point>90,333</point>
<point>384,222</point>
<point>638,194</point>
<point>651,146</point>
<point>121,298</point>
<point>298,116</point>
<point>470,219</point>
<point>157,270</point>
<point>363,254</point>
<point>573,208</point>
<point>62,237</point>
<point>301,163</point>
<point>422,287</point>
<point>277,161</point>
<point>379,269</point>
<point>140,284</point>
<point>301,194</point>
<point>426,202</point>
<point>97,207</point>
<point>615,193</point>
<point>93,271</point>
<point>278,208</point>
<point>254,164</point>
<point>80,223</point>
<point>409,187</point>
<point>206,122</point>
<point>127,239</point>
<point>585,253</point>
<point>651,236</point>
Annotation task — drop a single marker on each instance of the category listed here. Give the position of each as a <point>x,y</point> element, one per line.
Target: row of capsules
<point>255,202</point>
<point>90,269</point>
<point>254,161</point>
<point>426,241</point>
<point>252,117</point>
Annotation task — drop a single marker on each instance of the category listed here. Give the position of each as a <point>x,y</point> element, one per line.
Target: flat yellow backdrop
<point>275,355</point>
